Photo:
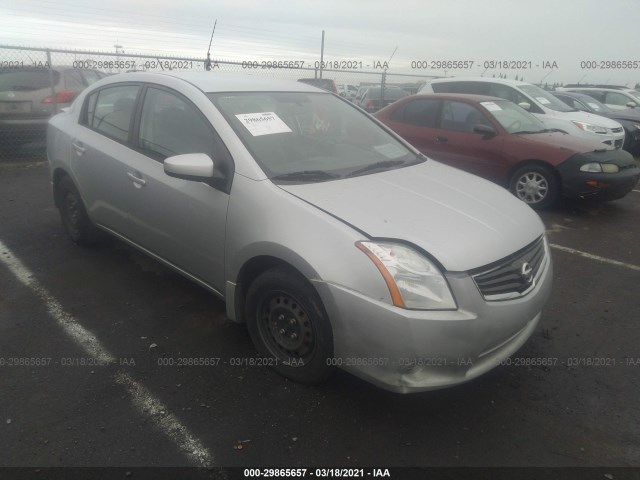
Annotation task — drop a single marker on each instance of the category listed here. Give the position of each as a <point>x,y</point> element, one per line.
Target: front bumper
<point>415,350</point>
<point>601,186</point>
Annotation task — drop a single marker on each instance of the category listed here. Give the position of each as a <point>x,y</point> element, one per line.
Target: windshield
<point>595,105</point>
<point>309,137</point>
<point>513,118</point>
<point>545,98</point>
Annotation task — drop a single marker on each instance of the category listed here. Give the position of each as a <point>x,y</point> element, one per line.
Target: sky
<point>546,40</point>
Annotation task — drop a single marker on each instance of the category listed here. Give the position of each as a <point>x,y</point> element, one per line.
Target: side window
<point>461,117</point>
<point>109,111</point>
<point>614,98</point>
<point>596,94</point>
<point>171,125</point>
<point>422,113</point>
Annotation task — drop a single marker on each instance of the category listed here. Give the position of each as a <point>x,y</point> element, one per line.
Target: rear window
<point>25,80</point>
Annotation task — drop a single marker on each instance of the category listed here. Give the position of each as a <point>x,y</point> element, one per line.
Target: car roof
<point>211,82</point>
<point>607,89</point>
<point>460,96</point>
<point>504,81</point>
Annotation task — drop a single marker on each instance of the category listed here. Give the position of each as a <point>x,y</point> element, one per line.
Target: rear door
<point>416,121</point>
<point>101,150</point>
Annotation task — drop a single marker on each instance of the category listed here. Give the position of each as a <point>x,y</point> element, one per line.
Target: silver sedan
<point>337,243</point>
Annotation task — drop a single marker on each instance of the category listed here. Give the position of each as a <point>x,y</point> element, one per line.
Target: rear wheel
<point>288,326</point>
<point>535,185</point>
<point>73,214</point>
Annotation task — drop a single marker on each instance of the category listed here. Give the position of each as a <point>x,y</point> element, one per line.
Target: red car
<point>499,140</point>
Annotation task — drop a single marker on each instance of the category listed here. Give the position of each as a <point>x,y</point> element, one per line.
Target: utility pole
<point>118,51</point>
<point>322,54</point>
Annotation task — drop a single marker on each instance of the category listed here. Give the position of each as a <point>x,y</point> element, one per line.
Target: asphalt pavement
<point>144,403</point>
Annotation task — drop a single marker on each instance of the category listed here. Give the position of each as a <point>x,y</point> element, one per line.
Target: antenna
<point>207,63</point>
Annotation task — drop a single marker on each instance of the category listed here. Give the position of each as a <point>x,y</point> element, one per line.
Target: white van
<point>552,112</point>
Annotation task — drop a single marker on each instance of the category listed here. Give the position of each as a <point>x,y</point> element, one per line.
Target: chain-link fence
<point>36,83</point>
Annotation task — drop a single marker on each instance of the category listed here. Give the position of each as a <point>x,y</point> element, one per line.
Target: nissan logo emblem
<point>526,273</point>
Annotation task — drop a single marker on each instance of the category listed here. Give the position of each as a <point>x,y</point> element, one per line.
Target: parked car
<point>374,98</point>
<point>323,83</point>
<point>554,113</point>
<point>27,98</point>
<point>336,242</point>
<point>347,91</point>
<point>499,140</point>
<point>616,98</point>
<point>629,118</point>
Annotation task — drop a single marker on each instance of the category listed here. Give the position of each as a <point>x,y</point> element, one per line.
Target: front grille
<point>617,130</point>
<point>509,278</point>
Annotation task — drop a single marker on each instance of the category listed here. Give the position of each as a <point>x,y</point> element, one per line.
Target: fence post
<point>54,104</point>
<point>382,85</point>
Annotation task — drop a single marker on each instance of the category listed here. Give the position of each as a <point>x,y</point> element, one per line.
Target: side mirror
<point>632,104</point>
<point>484,129</point>
<point>525,105</point>
<point>189,166</point>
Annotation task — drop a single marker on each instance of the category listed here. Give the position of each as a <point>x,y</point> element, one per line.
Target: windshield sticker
<point>491,106</point>
<point>543,100</point>
<point>263,123</point>
<point>390,150</point>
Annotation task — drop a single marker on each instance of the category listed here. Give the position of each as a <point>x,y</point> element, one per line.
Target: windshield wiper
<point>310,175</point>
<point>376,166</point>
<point>546,130</point>
<point>528,132</point>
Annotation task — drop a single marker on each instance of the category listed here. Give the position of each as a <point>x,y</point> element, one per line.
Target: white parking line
<point>596,257</point>
<point>144,401</point>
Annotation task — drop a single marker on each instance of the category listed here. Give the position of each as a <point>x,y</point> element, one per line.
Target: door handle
<point>137,180</point>
<point>441,139</point>
<point>78,148</point>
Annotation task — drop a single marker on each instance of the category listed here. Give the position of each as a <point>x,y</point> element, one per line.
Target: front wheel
<point>288,325</point>
<point>536,185</point>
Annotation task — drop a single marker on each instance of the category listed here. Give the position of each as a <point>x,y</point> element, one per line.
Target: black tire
<point>74,215</point>
<point>289,326</point>
<point>536,185</point>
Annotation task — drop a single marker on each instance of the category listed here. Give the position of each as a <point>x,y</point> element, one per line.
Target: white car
<point>555,114</point>
<point>616,98</point>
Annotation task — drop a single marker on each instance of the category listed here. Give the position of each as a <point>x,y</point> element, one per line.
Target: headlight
<point>595,167</point>
<point>413,281</point>
<point>588,127</point>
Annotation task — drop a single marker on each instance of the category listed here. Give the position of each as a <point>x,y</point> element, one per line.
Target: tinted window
<point>113,111</point>
<point>25,80</point>
<point>461,117</point>
<point>572,102</point>
<point>170,125</point>
<point>422,112</point>
<point>73,79</point>
<point>597,95</point>
<point>508,93</point>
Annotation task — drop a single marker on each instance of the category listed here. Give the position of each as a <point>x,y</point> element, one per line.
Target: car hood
<point>631,114</point>
<point>560,141</point>
<point>580,116</point>
<point>463,221</point>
